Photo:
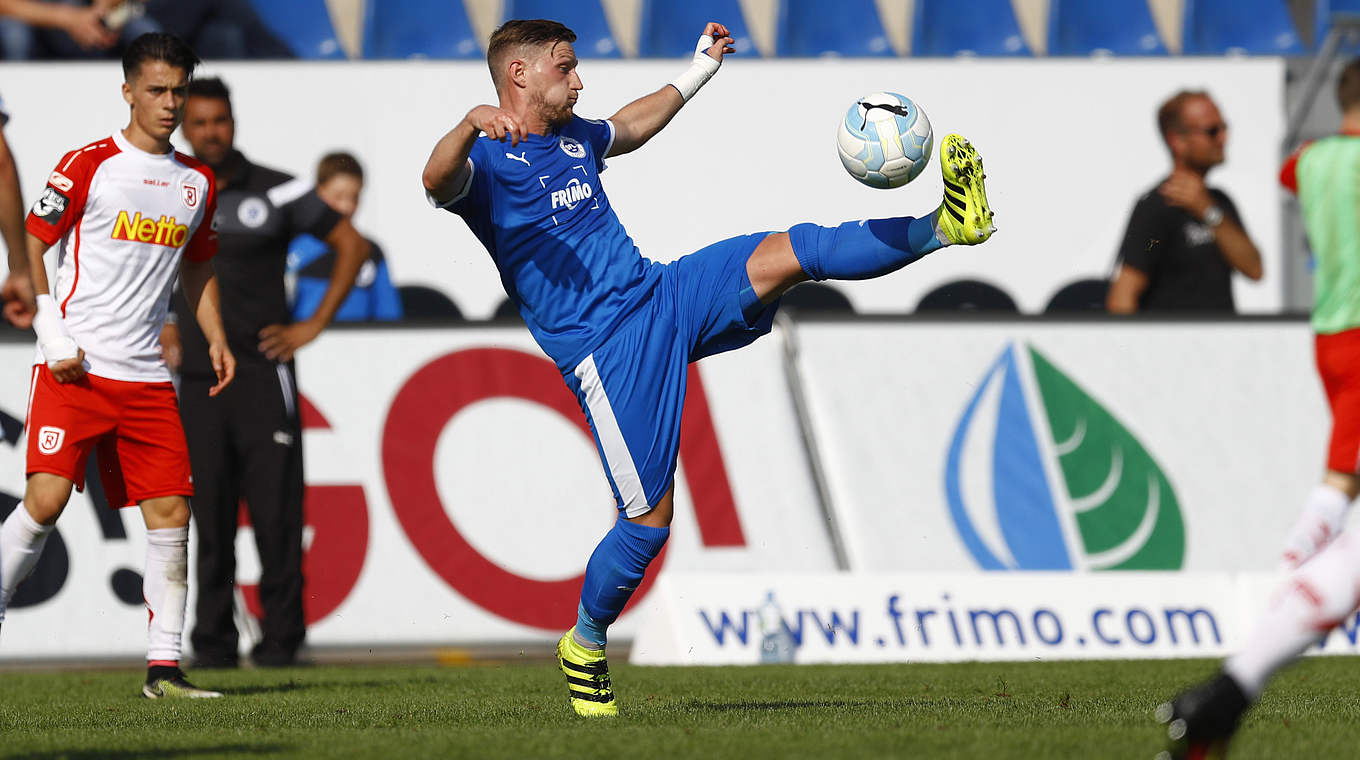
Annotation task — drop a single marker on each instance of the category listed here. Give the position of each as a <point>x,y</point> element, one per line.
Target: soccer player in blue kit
<point>525,177</point>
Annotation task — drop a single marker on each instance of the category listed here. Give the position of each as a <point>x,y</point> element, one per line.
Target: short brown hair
<point>158,46</point>
<point>335,163</point>
<point>1169,115</point>
<point>518,34</point>
<point>1348,86</point>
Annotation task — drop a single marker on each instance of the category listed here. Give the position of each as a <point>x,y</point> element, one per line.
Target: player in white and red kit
<point>126,214</point>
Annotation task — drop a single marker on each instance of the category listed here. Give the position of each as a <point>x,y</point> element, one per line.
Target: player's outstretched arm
<point>351,251</point>
<point>641,120</point>
<point>199,282</point>
<point>447,170</point>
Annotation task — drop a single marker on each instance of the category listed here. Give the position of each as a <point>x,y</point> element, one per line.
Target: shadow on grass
<point>781,704</point>
<point>242,750</point>
<point>304,684</point>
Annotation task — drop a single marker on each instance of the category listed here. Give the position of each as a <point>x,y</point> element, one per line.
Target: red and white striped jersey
<point>121,217</point>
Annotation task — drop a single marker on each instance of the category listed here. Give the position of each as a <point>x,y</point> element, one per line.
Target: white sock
<point>1314,599</point>
<point>1323,517</point>
<point>21,543</point>
<point>166,589</point>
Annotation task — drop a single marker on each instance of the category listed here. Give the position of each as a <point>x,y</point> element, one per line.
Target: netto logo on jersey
<point>165,231</point>
<point>1072,490</point>
<point>575,192</point>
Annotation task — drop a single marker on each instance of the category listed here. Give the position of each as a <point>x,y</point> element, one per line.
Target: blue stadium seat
<point>950,27</point>
<point>1260,27</point>
<point>809,28</point>
<point>1118,27</point>
<point>419,29</point>
<point>1322,21</point>
<point>304,25</point>
<point>585,17</point>
<point>670,29</point>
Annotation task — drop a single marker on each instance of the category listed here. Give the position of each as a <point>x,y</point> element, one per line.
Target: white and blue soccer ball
<point>884,140</point>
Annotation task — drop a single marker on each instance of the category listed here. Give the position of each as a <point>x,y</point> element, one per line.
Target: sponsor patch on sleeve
<point>60,181</point>
<point>50,205</point>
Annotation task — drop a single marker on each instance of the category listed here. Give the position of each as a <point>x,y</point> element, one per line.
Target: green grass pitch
<point>519,710</point>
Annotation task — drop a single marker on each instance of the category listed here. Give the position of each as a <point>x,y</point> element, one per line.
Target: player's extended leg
<point>874,247</point>
<point>1313,600</point>
<point>24,533</point>
<point>165,587</point>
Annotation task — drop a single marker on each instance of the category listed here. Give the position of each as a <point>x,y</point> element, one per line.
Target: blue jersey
<point>564,258</point>
<point>372,299</point>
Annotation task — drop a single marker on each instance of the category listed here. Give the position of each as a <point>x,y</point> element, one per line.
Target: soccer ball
<point>884,140</point>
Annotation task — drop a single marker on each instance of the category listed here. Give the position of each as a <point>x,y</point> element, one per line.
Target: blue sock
<point>861,250</point>
<point>613,573</point>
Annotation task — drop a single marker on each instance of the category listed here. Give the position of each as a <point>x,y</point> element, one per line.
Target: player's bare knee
<point>773,267</point>
<point>1345,482</point>
<point>661,513</point>
<point>45,496</point>
<point>165,512</point>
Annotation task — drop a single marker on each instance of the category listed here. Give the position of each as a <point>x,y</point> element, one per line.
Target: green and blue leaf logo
<point>1041,476</point>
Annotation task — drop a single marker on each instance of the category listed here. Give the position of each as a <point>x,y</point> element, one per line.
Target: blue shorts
<point>632,387</point>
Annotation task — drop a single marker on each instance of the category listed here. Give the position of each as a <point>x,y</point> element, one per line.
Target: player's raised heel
<point>587,674</point>
<point>174,686</point>
<point>964,217</point>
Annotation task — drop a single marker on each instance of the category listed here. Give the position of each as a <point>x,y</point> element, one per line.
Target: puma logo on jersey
<point>575,192</point>
<point>165,231</point>
<point>519,158</point>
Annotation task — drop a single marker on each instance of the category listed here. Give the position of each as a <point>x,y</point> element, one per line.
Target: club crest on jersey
<point>575,192</point>
<point>573,147</point>
<point>50,205</point>
<point>164,231</point>
<point>190,194</point>
<point>50,439</point>
<point>253,212</point>
<point>60,181</point>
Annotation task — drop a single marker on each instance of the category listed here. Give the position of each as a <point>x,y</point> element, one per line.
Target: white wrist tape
<point>56,343</point>
<point>699,72</point>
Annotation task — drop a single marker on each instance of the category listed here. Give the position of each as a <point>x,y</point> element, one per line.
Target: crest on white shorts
<point>50,439</point>
<point>190,195</point>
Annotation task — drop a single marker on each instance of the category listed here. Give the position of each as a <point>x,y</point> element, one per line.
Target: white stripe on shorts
<point>616,455</point>
<point>286,385</point>
<point>32,389</point>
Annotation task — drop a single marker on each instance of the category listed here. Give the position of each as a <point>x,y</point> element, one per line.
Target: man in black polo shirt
<point>1184,238</point>
<point>246,443</point>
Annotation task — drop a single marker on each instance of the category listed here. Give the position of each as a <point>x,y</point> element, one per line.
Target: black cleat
<point>1201,721</point>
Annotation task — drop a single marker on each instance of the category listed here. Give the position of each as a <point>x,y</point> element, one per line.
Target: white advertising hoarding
<point>711,619</point>
<point>1069,146</point>
<point>1087,445</point>
<point>454,494</point>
